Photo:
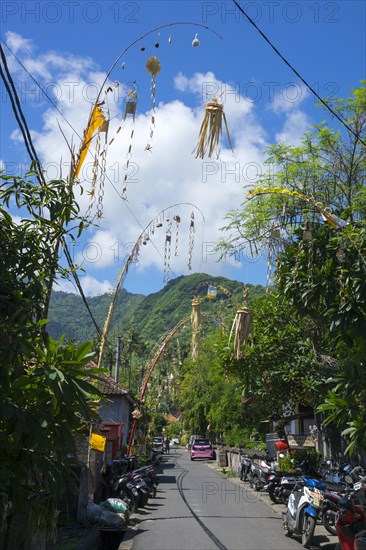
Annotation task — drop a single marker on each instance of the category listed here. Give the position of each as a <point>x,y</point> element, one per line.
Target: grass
<point>228,472</point>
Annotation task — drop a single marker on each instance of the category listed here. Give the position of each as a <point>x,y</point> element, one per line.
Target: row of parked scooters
<point>135,486</point>
<point>332,495</point>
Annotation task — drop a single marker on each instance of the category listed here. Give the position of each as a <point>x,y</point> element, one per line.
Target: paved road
<point>196,508</point>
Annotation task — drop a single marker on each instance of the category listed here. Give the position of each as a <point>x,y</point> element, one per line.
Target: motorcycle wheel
<point>272,493</point>
<point>286,530</point>
<point>308,528</point>
<point>253,482</point>
<point>244,474</point>
<point>329,518</point>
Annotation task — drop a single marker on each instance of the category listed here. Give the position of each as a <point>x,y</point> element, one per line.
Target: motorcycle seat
<point>335,487</point>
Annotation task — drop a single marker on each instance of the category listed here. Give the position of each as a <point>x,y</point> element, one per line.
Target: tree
<point>46,400</point>
<point>319,187</point>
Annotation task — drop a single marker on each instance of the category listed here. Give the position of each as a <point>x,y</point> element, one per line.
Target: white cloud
<point>168,175</point>
<point>293,130</point>
<point>289,99</point>
<point>90,285</point>
<point>18,43</point>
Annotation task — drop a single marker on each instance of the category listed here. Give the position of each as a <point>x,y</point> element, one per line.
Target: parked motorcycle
<point>303,508</point>
<point>335,492</point>
<point>281,485</point>
<point>244,467</point>
<point>259,473</point>
<point>351,519</point>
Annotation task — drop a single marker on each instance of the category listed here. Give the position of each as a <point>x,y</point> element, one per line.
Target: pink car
<point>202,448</point>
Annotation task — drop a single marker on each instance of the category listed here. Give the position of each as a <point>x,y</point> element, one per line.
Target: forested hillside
<point>153,315</point>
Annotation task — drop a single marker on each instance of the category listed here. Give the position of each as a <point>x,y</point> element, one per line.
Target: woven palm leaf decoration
<point>211,130</point>
<point>196,324</point>
<point>241,327</point>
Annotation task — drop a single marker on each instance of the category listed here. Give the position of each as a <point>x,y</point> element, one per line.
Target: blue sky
<point>69,46</point>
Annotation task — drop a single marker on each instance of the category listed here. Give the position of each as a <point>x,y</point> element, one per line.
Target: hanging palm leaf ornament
<point>211,130</point>
<point>241,327</point>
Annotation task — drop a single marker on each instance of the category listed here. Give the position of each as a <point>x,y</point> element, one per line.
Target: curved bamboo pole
<point>126,50</point>
<point>124,270</point>
<point>325,211</point>
<point>161,348</point>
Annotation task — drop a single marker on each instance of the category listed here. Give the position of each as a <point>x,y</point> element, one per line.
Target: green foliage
<point>228,472</point>
<point>322,279</point>
<point>151,316</point>
<point>293,460</point>
<point>184,439</point>
<point>173,429</point>
<point>157,423</point>
<point>46,399</point>
<point>345,405</point>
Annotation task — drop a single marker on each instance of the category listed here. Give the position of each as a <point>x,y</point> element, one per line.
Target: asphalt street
<point>196,508</point>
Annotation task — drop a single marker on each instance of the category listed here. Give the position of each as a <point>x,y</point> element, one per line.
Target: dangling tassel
<point>211,130</point>
<point>196,325</point>
<point>103,170</point>
<point>131,104</point>
<point>191,241</point>
<point>167,249</point>
<point>153,67</point>
<point>177,222</point>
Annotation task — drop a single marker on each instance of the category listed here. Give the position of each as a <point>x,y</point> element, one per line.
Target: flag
<point>97,442</point>
<point>96,121</point>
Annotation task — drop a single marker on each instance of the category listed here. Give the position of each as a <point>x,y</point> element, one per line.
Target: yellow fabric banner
<point>97,442</point>
<point>96,121</point>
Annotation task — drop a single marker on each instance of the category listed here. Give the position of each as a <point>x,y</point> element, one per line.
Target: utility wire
<point>63,116</point>
<point>77,281</point>
<point>18,109</point>
<point>20,118</point>
<point>42,90</point>
<point>297,74</point>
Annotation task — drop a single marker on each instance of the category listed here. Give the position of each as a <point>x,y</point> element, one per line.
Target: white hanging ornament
<point>195,41</point>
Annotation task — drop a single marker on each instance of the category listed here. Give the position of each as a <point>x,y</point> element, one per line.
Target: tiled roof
<point>109,386</point>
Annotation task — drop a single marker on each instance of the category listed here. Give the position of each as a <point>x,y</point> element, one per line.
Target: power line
<point>40,87</point>
<point>298,74</point>
<point>63,116</point>
<point>17,109</point>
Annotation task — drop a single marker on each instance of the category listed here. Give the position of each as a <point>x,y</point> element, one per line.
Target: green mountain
<point>153,315</point>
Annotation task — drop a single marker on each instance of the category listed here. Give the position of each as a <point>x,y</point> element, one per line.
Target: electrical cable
<point>297,74</point>
<point>20,118</point>
<point>42,90</point>
<point>77,281</point>
<point>107,177</point>
<point>35,158</point>
<point>13,105</point>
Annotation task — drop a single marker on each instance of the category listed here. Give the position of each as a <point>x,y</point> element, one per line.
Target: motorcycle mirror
<point>348,480</point>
